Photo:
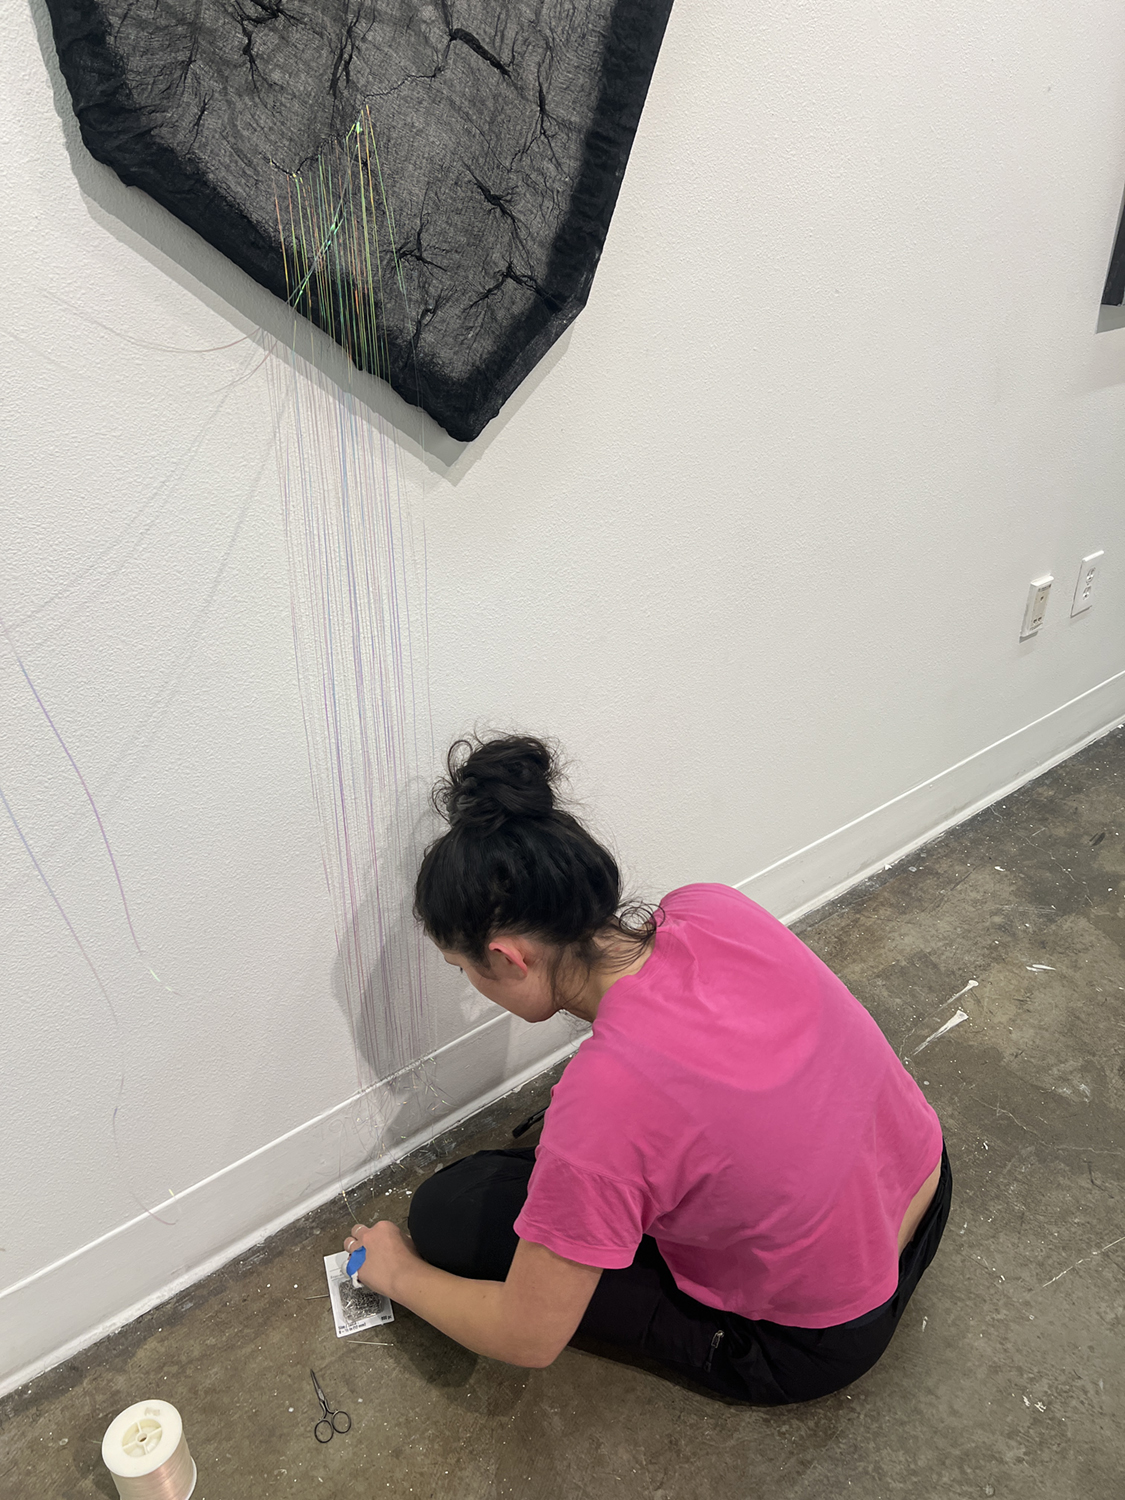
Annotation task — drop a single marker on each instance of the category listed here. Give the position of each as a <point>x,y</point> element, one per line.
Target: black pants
<point>461,1220</point>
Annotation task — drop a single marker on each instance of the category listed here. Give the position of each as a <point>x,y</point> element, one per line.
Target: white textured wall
<point>753,541</point>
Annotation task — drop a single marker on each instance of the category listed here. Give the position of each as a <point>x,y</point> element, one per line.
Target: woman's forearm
<point>475,1313</point>
<point>526,1320</point>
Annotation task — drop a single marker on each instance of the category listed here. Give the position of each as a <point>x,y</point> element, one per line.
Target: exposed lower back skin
<point>918,1206</point>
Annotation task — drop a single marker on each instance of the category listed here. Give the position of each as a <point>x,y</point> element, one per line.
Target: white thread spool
<point>147,1453</point>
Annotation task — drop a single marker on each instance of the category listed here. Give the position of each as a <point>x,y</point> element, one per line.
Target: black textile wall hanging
<point>1114,293</point>
<point>431,183</point>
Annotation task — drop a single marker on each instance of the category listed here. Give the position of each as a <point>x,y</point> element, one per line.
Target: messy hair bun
<point>514,860</point>
<point>495,780</point>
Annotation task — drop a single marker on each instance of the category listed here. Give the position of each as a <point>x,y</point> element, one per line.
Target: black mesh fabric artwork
<point>430,183</point>
<point>1114,293</point>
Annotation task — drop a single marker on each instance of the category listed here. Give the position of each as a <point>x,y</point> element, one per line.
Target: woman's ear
<point>511,951</point>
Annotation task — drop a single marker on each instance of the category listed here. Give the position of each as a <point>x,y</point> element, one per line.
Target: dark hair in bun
<point>514,861</point>
<point>495,780</point>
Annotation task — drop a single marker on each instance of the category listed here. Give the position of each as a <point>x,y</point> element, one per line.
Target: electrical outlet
<point>1084,588</point>
<point>1037,597</point>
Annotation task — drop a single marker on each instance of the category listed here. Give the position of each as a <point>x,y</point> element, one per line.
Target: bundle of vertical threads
<point>338,235</point>
<point>356,559</point>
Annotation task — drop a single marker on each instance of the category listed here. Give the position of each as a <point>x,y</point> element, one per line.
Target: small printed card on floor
<point>353,1308</point>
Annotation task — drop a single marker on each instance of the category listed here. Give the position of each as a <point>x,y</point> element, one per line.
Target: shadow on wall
<point>142,225</point>
<point>394,989</point>
<point>403,1005</point>
<point>379,974</point>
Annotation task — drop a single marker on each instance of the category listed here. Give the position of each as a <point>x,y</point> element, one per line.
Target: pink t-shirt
<point>738,1104</point>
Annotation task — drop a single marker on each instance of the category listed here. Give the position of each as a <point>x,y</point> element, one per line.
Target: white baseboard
<point>67,1306</point>
<point>824,869</point>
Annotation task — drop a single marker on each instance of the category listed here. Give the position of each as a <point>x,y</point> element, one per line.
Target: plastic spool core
<point>142,1437</point>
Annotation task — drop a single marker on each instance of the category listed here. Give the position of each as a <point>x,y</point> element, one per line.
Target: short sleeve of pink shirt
<point>738,1104</point>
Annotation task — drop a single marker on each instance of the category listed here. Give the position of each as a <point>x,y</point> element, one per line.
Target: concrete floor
<point>1006,1378</point>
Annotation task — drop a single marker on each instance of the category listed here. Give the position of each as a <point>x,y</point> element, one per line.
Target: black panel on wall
<point>1114,293</point>
<point>431,183</point>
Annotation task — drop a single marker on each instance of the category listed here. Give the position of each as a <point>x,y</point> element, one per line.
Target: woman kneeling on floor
<point>737,1178</point>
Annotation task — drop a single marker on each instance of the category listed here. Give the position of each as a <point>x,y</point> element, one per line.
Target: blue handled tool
<point>355,1260</point>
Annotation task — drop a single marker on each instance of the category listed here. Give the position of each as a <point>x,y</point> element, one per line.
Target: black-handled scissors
<point>332,1420</point>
